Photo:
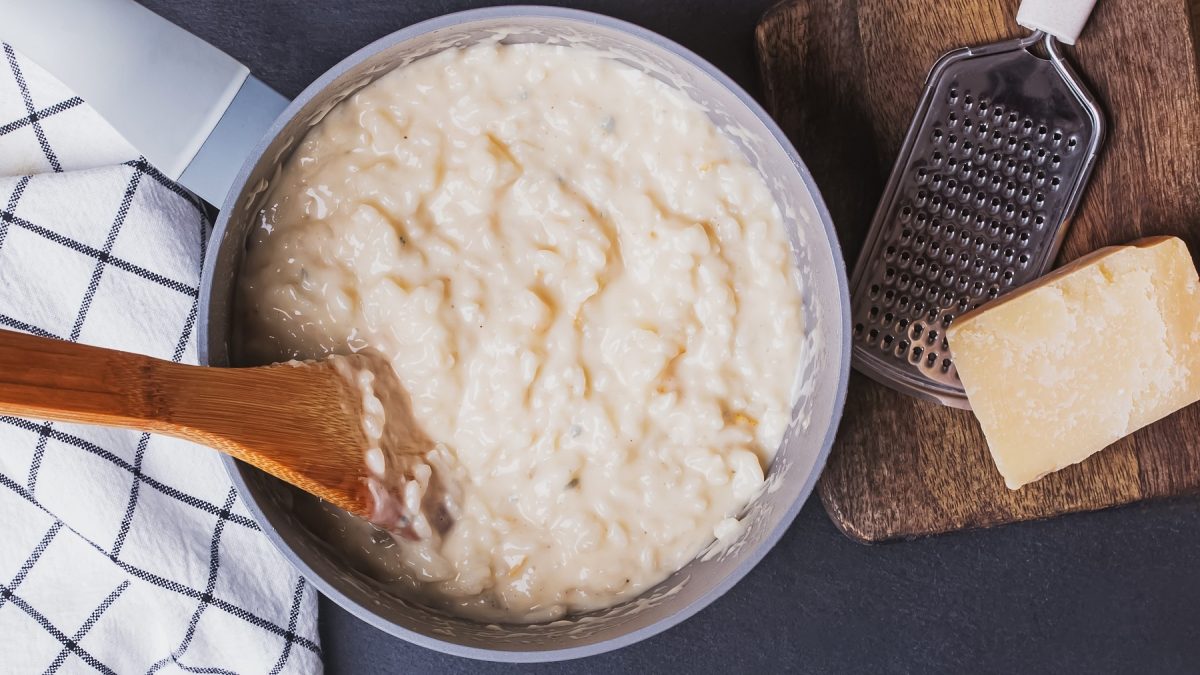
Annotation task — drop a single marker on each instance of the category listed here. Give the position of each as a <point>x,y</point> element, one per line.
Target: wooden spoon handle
<point>70,382</point>
<point>287,421</point>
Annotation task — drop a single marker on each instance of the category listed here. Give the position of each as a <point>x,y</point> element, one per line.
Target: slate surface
<point>1112,591</point>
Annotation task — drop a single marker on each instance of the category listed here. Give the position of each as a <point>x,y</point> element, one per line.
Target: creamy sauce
<point>587,291</point>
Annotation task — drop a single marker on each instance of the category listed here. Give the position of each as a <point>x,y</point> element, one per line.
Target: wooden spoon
<point>301,422</point>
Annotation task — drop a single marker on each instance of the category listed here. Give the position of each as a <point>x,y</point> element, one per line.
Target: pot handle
<point>190,109</point>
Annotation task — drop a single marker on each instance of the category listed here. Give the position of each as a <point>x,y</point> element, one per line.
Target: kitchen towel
<point>120,551</point>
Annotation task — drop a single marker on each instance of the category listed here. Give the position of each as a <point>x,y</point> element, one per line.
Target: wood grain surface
<point>842,77</point>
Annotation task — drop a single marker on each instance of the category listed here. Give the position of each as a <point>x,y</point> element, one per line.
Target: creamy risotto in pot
<point>584,286</point>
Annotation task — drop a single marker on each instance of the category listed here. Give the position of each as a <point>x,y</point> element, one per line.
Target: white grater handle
<point>190,109</point>
<point>1064,19</point>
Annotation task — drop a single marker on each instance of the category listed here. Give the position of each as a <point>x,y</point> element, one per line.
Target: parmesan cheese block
<point>1064,366</point>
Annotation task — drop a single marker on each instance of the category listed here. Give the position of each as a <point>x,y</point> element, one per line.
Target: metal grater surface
<point>994,164</point>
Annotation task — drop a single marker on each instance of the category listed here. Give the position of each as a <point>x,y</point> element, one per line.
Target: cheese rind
<point>1067,365</point>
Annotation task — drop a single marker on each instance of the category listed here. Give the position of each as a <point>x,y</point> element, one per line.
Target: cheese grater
<point>992,168</point>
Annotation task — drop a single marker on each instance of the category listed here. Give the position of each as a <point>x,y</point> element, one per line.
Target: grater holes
<point>937,135</point>
<point>873,292</point>
<point>902,348</point>
<point>952,140</point>
<point>1054,183</point>
<point>1042,131</point>
<point>1013,118</point>
<point>1039,199</point>
<point>996,158</point>
<point>945,365</point>
<point>1040,158</point>
<point>1071,143</point>
<point>1055,161</point>
<point>873,334</point>
<point>968,125</point>
<point>922,198</point>
<point>889,253</point>
<point>1027,125</point>
<point>1023,238</point>
<point>952,118</point>
<point>1023,260</point>
<point>1057,137</point>
<point>968,101</point>
<point>1039,222</point>
<point>888,339</point>
<point>1009,232</point>
<point>1008,254</point>
<point>858,329</point>
<point>1010,167</point>
<point>995,182</point>
<point>1025,149</point>
<point>906,212</point>
<point>915,357</point>
<point>1039,177</point>
<point>997,112</point>
<point>937,158</point>
<point>1009,211</point>
<point>952,95</point>
<point>931,360</point>
<point>1009,275</point>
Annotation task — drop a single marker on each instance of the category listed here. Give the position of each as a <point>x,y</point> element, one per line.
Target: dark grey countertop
<point>1115,591</point>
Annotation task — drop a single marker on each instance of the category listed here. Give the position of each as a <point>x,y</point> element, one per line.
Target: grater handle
<point>1064,19</point>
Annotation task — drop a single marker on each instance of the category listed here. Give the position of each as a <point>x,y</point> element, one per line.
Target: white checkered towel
<point>120,552</point>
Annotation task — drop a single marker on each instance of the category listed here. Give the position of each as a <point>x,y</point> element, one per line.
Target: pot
<point>818,264</point>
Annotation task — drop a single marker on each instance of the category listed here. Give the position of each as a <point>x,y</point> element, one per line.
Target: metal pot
<point>818,264</point>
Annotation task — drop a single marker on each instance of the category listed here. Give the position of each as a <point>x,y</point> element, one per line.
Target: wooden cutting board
<point>842,77</point>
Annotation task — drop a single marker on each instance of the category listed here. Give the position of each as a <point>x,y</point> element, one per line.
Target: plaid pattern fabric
<point>120,552</point>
